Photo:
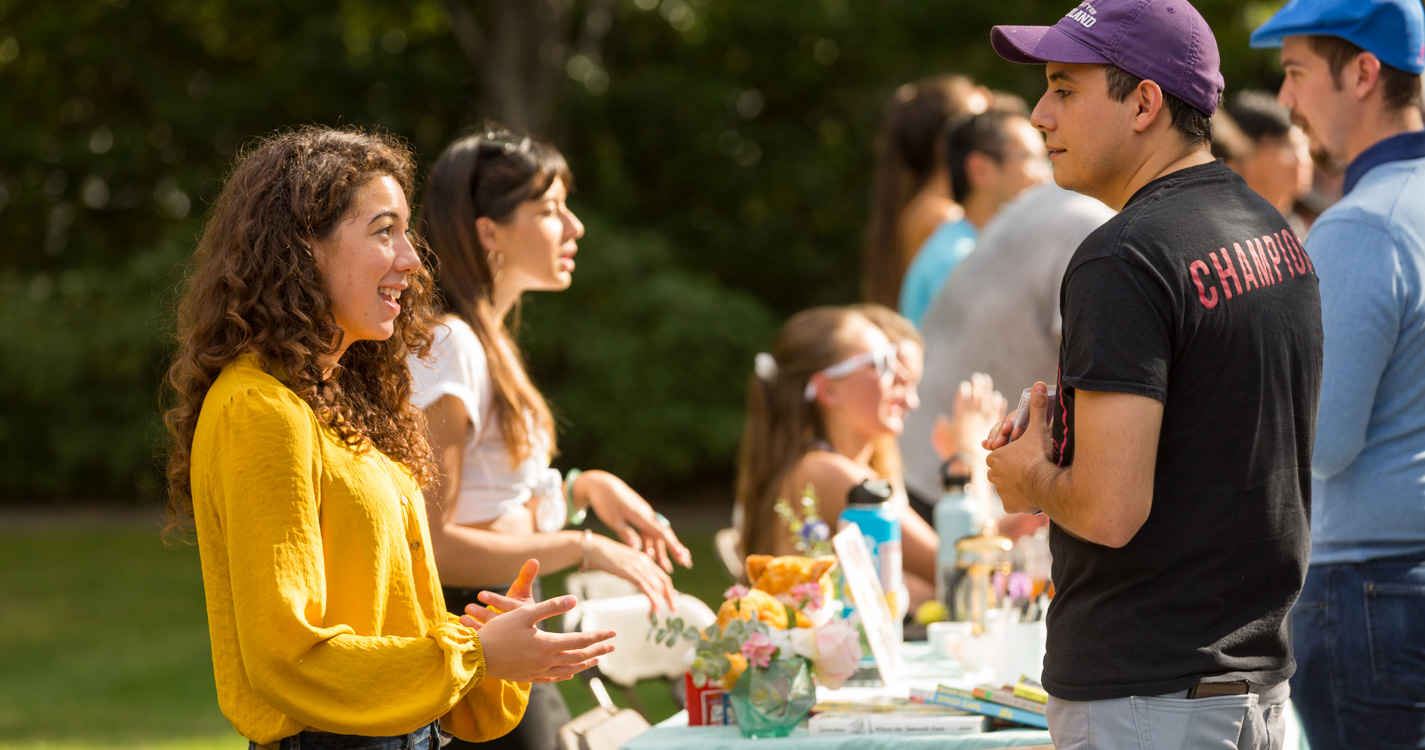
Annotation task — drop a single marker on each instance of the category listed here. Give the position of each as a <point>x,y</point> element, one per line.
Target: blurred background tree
<point>722,152</point>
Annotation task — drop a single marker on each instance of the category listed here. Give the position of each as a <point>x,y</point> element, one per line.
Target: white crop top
<point>489,485</point>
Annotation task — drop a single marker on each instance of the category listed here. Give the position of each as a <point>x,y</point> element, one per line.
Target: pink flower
<point>758,650</point>
<point>735,591</point>
<point>838,649</point>
<point>808,595</point>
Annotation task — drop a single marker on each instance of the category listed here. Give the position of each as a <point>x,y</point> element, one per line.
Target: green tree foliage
<point>722,150</point>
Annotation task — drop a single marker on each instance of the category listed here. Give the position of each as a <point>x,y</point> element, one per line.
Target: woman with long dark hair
<point>498,222</point>
<point>299,458</point>
<point>910,194</point>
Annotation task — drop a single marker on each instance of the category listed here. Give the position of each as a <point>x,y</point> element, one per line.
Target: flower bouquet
<point>811,535</point>
<point>767,648</point>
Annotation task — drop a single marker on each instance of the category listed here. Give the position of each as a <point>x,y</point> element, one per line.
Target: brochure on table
<point>875,612</point>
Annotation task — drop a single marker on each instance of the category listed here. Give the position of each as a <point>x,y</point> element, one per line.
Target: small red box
<point>707,706</point>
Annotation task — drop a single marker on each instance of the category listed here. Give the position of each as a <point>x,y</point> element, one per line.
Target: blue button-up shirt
<point>1368,488</point>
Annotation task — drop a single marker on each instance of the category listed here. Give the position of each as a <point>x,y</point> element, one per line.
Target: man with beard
<point>1353,83</point>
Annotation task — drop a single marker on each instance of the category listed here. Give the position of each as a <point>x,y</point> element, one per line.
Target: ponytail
<point>781,423</point>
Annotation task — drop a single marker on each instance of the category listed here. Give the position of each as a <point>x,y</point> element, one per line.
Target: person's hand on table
<point>1013,464</point>
<point>629,515</point>
<point>633,566</point>
<point>518,651</point>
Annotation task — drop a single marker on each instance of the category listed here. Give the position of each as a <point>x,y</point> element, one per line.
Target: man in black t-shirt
<point>1176,465</point>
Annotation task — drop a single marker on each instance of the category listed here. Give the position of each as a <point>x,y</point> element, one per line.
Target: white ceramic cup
<point>948,638</point>
<point>1020,651</point>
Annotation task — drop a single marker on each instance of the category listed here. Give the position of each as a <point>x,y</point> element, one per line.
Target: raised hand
<point>977,408</point>
<point>517,651</point>
<point>521,593</point>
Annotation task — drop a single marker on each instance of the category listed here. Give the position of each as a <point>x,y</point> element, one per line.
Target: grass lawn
<point>104,640</point>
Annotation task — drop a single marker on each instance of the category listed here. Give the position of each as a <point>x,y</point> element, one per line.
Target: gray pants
<point>1254,721</point>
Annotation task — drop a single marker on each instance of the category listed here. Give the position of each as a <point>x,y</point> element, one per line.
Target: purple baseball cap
<point>1165,41</point>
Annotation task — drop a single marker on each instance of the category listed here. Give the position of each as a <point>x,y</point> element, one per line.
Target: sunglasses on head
<point>503,141</point>
<point>883,358</point>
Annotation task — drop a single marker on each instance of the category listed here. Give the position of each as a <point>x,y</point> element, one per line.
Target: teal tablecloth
<point>923,669</point>
<point>675,733</point>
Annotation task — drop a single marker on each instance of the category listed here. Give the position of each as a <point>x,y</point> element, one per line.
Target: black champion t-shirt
<point>1198,295</point>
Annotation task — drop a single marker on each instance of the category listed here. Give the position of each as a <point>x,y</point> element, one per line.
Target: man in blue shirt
<point>993,157</point>
<point>1353,79</point>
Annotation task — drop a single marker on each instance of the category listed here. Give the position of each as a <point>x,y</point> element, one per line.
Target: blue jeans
<point>425,738</point>
<point>1358,632</point>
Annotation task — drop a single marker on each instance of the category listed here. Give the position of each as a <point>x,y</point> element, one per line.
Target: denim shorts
<point>427,737</point>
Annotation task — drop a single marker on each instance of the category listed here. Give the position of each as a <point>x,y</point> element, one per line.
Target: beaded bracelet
<point>576,516</point>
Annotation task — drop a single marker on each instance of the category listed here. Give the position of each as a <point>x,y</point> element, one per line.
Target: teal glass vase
<point>771,701</point>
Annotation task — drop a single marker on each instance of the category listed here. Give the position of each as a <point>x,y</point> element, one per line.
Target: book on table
<point>1004,695</point>
<point>872,722</point>
<point>966,700</point>
<point>1030,690</point>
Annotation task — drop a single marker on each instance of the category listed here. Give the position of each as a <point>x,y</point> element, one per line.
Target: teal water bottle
<point>868,506</point>
<point>957,515</point>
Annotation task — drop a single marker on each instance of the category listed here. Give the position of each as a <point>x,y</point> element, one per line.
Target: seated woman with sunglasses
<point>824,408</point>
<point>496,217</point>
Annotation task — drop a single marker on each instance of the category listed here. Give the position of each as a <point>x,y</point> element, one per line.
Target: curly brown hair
<point>254,288</point>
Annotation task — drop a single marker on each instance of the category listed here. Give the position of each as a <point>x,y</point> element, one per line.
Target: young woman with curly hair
<point>497,219</point>
<point>299,459</point>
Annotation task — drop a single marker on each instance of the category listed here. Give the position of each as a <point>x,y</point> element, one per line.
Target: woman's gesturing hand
<point>633,566</point>
<point>516,650</point>
<point>629,515</point>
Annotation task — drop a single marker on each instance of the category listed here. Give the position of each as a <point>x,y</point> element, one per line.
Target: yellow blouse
<point>324,607</point>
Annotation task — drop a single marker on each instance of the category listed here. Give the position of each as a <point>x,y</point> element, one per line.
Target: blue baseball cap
<point>1392,30</point>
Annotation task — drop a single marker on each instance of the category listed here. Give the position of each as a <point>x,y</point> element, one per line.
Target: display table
<point>923,669</point>
<point>675,733</point>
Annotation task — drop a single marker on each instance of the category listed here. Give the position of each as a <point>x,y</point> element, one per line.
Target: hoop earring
<point>497,259</point>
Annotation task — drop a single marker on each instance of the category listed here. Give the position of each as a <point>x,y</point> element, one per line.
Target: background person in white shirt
<point>496,217</point>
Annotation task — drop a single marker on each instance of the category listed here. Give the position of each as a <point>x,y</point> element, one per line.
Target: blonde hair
<point>896,327</point>
<point>782,425</point>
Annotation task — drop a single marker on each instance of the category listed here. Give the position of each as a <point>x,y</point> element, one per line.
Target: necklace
<point>408,515</point>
